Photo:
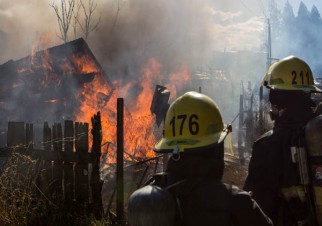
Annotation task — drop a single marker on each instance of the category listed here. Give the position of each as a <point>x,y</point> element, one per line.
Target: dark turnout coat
<point>271,169</point>
<point>200,197</point>
<point>210,202</point>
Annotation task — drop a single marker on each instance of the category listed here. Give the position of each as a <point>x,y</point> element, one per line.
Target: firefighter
<point>275,177</point>
<point>194,134</point>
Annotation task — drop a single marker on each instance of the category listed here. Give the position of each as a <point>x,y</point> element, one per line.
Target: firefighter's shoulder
<point>265,136</point>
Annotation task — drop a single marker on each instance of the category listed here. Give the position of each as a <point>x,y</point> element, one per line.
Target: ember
<point>51,101</point>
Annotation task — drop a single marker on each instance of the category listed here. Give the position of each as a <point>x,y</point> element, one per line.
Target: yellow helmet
<point>193,121</point>
<point>290,73</point>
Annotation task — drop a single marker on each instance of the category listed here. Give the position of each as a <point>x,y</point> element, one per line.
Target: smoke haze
<point>175,33</point>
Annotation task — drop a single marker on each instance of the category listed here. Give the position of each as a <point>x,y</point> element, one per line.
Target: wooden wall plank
<point>46,168</point>
<point>30,136</point>
<point>16,134</point>
<point>47,137</point>
<point>57,137</point>
<point>81,168</point>
<point>57,163</point>
<point>68,165</point>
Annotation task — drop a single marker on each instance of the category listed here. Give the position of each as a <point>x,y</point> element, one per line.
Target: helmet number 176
<point>181,120</point>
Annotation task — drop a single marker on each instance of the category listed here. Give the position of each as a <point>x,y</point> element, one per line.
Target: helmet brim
<point>304,88</point>
<point>167,145</point>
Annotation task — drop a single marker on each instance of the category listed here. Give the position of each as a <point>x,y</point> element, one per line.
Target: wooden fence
<point>69,171</point>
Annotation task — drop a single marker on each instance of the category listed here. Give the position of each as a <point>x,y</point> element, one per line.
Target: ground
<point>235,173</point>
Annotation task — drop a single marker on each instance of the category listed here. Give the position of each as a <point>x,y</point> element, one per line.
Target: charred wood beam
<point>86,78</point>
<point>16,134</point>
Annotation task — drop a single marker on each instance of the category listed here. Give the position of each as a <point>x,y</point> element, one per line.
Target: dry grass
<point>19,203</point>
<point>22,202</point>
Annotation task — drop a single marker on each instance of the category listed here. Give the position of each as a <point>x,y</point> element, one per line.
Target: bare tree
<point>64,15</point>
<point>116,16</point>
<point>89,25</point>
<point>76,19</point>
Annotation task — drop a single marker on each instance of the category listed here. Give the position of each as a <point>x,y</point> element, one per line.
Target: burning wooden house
<point>52,85</point>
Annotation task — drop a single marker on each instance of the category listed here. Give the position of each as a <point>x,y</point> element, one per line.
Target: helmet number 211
<point>181,120</point>
<point>294,74</point>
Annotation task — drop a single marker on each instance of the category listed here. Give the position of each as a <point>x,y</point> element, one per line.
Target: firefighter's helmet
<point>193,121</point>
<point>290,73</point>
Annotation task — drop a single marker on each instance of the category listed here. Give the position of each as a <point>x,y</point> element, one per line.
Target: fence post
<point>241,130</point>
<point>119,162</point>
<point>96,182</point>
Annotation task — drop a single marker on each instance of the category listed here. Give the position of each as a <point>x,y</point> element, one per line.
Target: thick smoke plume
<point>175,34</point>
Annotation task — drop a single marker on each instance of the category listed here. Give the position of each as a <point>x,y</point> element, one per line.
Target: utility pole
<point>269,44</point>
<point>268,63</point>
<point>240,126</point>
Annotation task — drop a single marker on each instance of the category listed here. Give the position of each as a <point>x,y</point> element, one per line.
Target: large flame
<point>140,131</point>
<point>99,94</point>
<point>139,134</point>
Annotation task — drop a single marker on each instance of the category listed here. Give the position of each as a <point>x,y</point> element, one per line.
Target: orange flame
<point>139,128</point>
<point>139,124</point>
<point>179,80</point>
<point>85,64</point>
<point>140,131</point>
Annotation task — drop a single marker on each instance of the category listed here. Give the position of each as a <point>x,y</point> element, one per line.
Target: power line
<point>261,6</point>
<point>251,11</point>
